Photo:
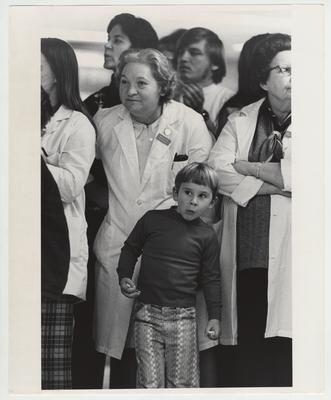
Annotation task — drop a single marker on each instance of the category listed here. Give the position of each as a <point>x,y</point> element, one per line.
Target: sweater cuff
<point>215,313</point>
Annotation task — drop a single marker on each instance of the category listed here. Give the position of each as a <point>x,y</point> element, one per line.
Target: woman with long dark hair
<point>249,89</point>
<point>68,148</point>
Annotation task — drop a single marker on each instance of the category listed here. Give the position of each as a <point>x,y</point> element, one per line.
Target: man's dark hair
<point>214,48</point>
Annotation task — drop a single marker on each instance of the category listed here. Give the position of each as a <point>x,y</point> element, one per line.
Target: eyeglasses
<point>282,70</point>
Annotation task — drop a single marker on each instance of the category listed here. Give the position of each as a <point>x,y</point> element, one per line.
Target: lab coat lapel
<point>126,138</point>
<point>246,125</point>
<point>61,114</point>
<point>160,147</point>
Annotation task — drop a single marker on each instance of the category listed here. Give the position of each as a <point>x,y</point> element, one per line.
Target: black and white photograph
<point>154,212</point>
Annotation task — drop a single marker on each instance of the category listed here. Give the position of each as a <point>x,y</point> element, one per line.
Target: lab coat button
<point>139,202</point>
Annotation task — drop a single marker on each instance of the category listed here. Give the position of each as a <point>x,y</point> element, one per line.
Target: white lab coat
<point>182,131</point>
<point>216,94</point>
<point>69,142</point>
<point>234,144</point>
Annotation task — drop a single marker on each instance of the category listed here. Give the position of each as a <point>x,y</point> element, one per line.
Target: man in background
<point>201,68</point>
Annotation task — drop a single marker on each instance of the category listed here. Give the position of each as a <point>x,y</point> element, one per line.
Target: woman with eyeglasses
<point>249,90</point>
<point>252,157</point>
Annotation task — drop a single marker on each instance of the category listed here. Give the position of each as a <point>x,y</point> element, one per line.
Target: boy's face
<point>193,200</point>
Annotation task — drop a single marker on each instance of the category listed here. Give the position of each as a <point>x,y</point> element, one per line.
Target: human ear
<point>214,67</point>
<point>162,91</point>
<point>264,86</point>
<point>212,203</point>
<point>175,193</point>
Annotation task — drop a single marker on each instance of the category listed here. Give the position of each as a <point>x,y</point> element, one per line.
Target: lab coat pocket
<point>177,166</point>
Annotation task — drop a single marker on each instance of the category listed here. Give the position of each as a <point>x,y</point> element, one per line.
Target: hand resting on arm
<point>269,173</point>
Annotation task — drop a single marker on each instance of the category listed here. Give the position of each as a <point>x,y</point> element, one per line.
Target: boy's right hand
<point>128,288</point>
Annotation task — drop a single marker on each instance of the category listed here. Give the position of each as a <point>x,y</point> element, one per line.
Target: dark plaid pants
<point>166,347</point>
<point>56,341</point>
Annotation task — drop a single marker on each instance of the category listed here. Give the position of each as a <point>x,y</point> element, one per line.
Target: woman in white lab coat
<point>252,157</point>
<point>68,148</point>
<point>142,143</point>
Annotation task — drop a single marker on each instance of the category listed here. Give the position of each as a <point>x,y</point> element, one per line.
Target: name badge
<point>163,139</point>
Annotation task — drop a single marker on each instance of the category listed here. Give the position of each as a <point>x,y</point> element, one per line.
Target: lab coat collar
<point>61,114</point>
<point>169,112</point>
<point>245,121</point>
<point>126,137</point>
<point>253,107</point>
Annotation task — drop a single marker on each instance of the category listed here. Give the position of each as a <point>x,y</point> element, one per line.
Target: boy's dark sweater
<point>177,256</point>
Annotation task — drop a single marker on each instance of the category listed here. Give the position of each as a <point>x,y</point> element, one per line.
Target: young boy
<point>179,252</point>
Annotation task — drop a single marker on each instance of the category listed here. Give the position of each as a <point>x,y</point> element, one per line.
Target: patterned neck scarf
<point>267,143</point>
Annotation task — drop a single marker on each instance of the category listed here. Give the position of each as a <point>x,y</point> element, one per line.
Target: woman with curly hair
<point>142,144</point>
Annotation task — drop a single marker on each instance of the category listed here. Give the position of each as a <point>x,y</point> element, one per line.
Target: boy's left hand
<point>213,329</point>
<point>128,288</point>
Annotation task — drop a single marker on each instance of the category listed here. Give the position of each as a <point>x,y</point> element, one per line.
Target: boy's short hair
<point>200,174</point>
